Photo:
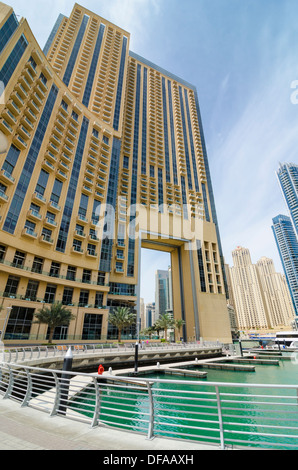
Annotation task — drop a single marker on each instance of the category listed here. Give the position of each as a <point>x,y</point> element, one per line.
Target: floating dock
<point>183,372</point>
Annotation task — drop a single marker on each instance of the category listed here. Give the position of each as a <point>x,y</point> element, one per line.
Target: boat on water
<point>286,338</point>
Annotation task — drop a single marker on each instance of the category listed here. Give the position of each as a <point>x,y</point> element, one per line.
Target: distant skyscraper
<point>163,292</point>
<point>250,305</point>
<point>288,179</point>
<point>276,293</point>
<point>287,245</point>
<point>150,314</point>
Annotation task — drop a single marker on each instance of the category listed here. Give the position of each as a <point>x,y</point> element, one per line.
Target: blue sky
<point>242,56</point>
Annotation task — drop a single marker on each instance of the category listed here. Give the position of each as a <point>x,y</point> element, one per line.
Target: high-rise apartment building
<point>249,300</point>
<point>288,179</point>
<point>276,293</point>
<point>261,295</point>
<point>106,155</point>
<point>287,245</point>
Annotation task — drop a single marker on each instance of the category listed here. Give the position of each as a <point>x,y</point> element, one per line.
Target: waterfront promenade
<point>29,429</point>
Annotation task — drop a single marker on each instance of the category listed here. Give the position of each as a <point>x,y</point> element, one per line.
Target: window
<point>84,298</point>
<point>98,299</point>
<point>37,265</point>
<point>92,326</point>
<point>2,252</point>
<point>56,192</point>
<point>101,278</point>
<point>86,276</point>
<point>19,323</point>
<point>91,249</point>
<point>46,234</point>
<point>105,140</point>
<point>80,230</point>
<point>42,182</point>
<point>55,269</point>
<point>19,259</point>
<point>77,245</point>
<point>50,293</point>
<point>31,292</point>
<point>11,286</point>
<point>67,296</point>
<point>125,162</point>
<point>71,273</point>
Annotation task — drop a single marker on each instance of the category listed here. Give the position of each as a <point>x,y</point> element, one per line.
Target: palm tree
<point>121,318</point>
<point>53,316</point>
<point>178,325</point>
<point>164,322</point>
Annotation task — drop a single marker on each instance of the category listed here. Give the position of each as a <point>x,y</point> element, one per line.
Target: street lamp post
<point>8,309</point>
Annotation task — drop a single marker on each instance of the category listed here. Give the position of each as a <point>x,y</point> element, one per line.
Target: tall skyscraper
<point>287,245</point>
<point>106,156</point>
<point>261,295</point>
<point>251,309</point>
<point>163,292</point>
<point>276,293</point>
<point>288,179</point>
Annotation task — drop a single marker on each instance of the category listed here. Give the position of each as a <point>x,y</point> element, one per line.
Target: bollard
<point>136,357</point>
<point>64,382</point>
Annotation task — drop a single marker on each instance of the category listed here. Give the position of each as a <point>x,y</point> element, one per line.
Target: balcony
<point>19,142</point>
<point>77,250</point>
<point>39,198</point>
<point>28,232</point>
<point>46,239</point>
<point>6,177</point>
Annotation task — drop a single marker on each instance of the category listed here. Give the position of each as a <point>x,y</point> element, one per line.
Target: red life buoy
<point>100,369</point>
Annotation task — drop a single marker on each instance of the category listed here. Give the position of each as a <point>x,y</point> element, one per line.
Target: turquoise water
<point>180,412</point>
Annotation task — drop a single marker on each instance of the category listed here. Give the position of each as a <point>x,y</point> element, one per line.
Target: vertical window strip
<point>160,190</point>
<point>72,188</point>
<point>53,34</point>
<point>194,164</point>
<point>144,129</point>
<point>185,139</point>
<point>21,189</point>
<point>166,134</point>
<point>12,61</point>
<point>184,200</point>
<point>107,243</point>
<point>207,215</point>
<point>174,160</point>
<point>201,266</point>
<point>134,178</point>
<point>7,30</point>
<point>75,51</point>
<point>93,66</point>
<point>120,85</point>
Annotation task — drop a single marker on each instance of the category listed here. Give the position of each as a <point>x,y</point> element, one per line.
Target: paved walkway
<point>29,429</point>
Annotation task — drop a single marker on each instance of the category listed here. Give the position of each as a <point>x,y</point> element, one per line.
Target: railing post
<point>151,412</point>
<point>221,429</point>
<point>57,395</point>
<point>27,397</point>
<point>95,417</point>
<point>10,383</point>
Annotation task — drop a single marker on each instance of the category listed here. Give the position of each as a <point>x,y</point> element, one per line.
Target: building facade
<point>261,295</point>
<point>106,155</point>
<point>288,180</point>
<point>287,245</point>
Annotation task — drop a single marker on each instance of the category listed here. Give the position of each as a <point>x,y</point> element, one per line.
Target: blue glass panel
<point>91,75</point>
<point>107,243</point>
<point>120,85</point>
<point>72,188</point>
<point>13,60</point>
<point>7,30</point>
<point>53,34</point>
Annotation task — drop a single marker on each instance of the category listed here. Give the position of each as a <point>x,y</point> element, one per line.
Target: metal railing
<point>221,414</point>
<point>14,355</point>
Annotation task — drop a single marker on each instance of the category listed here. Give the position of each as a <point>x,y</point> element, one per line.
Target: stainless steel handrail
<point>205,411</point>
